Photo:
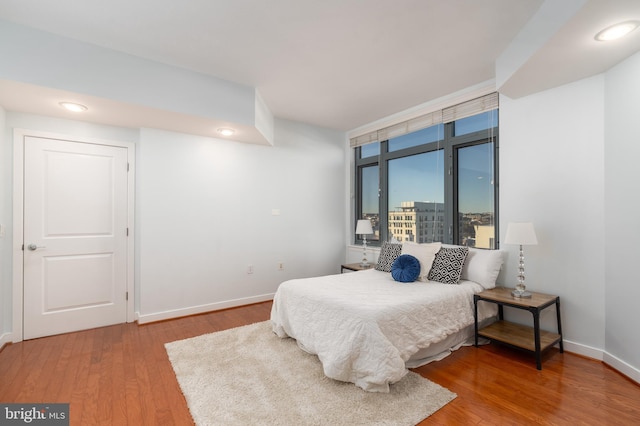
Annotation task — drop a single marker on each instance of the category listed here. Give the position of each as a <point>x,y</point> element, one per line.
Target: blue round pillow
<point>405,268</point>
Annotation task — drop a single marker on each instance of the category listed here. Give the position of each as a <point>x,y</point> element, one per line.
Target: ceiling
<point>341,64</point>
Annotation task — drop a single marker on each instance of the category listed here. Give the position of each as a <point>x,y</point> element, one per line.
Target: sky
<point>420,177</point>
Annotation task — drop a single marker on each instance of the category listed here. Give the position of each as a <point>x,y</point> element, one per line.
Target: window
<point>369,179</point>
<point>414,185</point>
<point>437,183</point>
<point>476,195</point>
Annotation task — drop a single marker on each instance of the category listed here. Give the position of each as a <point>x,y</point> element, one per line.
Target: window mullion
<point>449,185</point>
<point>383,192</point>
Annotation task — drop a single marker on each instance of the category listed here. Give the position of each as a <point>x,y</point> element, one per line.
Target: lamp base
<point>521,294</point>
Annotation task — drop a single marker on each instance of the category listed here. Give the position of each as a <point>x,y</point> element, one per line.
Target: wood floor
<point>120,375</point>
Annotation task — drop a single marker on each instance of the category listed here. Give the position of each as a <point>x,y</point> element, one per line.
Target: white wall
<point>552,174</point>
<point>5,242</point>
<point>568,162</point>
<point>205,212</point>
<point>622,201</point>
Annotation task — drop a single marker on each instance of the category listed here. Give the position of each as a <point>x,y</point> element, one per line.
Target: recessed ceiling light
<point>226,131</point>
<point>616,31</point>
<point>72,106</point>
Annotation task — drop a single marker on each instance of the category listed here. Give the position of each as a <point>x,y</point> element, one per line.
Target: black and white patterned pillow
<point>447,266</point>
<point>389,252</point>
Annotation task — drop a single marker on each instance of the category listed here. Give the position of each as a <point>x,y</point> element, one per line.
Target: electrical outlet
<point>250,269</point>
<point>280,266</point>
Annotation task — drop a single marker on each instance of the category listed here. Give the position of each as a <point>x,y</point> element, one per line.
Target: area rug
<point>248,375</point>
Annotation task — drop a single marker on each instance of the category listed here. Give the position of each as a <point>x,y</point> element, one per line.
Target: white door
<point>75,236</point>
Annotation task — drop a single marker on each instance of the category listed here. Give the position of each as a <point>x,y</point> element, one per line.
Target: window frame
<point>450,144</point>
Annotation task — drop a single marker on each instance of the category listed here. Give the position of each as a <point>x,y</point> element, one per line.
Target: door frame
<point>19,136</point>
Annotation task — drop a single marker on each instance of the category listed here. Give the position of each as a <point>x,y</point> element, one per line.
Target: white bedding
<point>364,325</point>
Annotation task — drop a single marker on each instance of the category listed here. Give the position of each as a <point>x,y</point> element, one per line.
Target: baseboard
<point>5,339</point>
<point>583,350</point>
<point>617,364</point>
<point>200,309</point>
<point>622,367</point>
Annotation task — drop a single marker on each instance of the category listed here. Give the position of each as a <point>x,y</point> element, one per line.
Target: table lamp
<point>364,228</point>
<point>521,233</point>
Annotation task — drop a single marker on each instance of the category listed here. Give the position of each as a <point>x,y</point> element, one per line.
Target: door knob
<point>34,247</point>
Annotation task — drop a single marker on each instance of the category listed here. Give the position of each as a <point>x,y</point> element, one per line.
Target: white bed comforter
<point>364,325</point>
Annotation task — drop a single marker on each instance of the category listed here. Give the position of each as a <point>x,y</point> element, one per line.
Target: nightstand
<point>355,267</point>
<point>529,338</point>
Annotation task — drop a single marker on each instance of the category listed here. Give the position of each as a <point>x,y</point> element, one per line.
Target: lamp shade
<point>364,227</point>
<point>521,233</point>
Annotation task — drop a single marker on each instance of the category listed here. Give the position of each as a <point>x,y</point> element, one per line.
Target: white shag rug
<point>248,375</point>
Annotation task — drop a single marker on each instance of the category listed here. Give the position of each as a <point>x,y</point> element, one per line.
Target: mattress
<point>364,326</point>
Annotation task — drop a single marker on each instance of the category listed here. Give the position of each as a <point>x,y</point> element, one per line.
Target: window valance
<point>446,115</point>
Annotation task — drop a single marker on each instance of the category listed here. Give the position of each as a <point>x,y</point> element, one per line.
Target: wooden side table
<point>530,338</point>
<point>355,267</point>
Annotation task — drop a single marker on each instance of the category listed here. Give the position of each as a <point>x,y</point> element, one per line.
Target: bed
<point>367,328</point>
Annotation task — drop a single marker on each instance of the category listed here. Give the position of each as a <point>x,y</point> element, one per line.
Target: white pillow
<point>483,266</point>
<point>425,253</point>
